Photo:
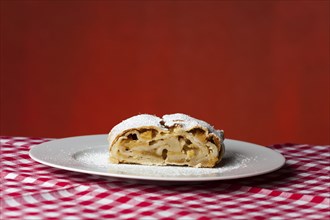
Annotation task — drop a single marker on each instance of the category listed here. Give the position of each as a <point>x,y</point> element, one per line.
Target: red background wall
<point>259,70</point>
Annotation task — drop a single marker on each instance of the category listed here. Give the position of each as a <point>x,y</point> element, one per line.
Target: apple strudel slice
<point>175,139</point>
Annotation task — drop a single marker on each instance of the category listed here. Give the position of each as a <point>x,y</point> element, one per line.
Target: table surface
<point>29,190</point>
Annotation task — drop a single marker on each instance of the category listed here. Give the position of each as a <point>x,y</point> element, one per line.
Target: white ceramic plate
<point>89,154</point>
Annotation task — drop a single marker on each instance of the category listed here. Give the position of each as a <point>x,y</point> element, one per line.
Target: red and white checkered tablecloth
<point>29,190</point>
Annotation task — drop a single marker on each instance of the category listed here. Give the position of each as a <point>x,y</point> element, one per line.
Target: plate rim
<point>152,178</point>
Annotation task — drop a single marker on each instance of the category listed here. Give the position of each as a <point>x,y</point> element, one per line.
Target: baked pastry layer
<point>175,139</point>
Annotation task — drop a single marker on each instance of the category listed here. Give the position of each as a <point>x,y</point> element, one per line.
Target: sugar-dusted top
<point>145,120</point>
<point>187,122</point>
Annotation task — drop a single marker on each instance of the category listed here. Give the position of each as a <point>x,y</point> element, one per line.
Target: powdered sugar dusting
<point>186,121</point>
<point>98,159</point>
<point>145,120</point>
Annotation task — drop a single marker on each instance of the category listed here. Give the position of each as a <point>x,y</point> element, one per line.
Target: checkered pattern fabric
<point>29,190</point>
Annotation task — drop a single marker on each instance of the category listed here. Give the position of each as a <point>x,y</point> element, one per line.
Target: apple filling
<point>175,146</point>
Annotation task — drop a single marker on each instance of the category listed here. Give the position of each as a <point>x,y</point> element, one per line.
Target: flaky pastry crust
<point>175,139</point>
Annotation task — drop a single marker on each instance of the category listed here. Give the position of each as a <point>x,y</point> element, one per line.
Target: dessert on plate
<point>174,139</point>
